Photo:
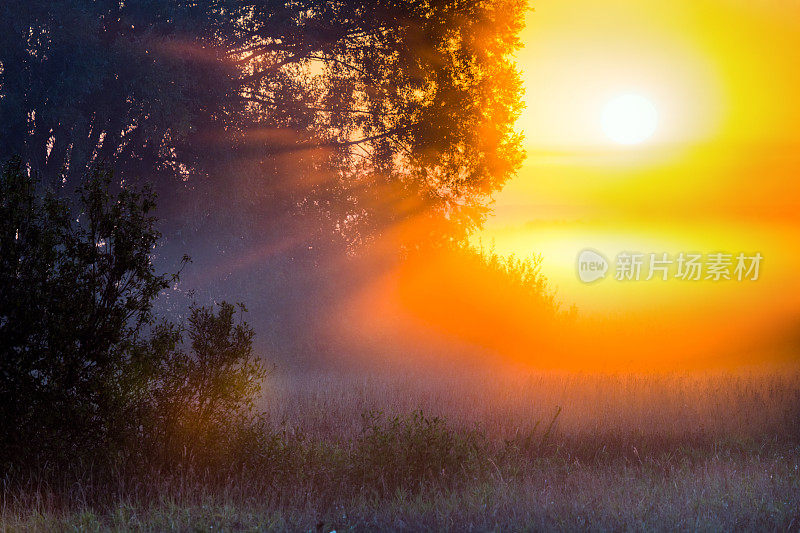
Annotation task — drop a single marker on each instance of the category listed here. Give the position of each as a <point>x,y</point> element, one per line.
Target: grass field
<point>479,451</point>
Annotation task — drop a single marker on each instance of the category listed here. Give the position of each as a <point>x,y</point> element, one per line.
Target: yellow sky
<point>719,174</point>
<point>711,67</point>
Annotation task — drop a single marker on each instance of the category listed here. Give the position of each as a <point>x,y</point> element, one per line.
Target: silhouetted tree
<point>85,370</point>
<point>203,397</point>
<point>77,286</point>
<point>392,109</point>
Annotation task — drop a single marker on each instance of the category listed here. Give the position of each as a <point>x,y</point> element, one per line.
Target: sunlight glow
<point>629,119</point>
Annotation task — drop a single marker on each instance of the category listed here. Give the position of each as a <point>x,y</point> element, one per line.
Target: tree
<point>370,114</point>
<point>78,287</point>
<point>86,371</point>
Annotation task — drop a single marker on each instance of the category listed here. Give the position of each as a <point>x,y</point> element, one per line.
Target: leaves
<point>387,110</point>
<point>85,371</point>
<point>77,291</point>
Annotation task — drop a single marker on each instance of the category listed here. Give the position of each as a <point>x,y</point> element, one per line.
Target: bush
<point>78,287</point>
<point>203,401</point>
<point>414,451</point>
<point>86,374</point>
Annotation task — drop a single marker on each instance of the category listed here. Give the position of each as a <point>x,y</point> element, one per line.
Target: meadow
<point>244,285</point>
<point>476,449</point>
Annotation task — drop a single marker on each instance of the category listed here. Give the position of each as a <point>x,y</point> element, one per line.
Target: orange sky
<point>719,174</point>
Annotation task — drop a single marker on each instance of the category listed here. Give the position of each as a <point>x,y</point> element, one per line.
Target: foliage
<point>281,137</point>
<point>369,114</point>
<point>85,372</point>
<point>522,275</point>
<point>414,451</point>
<point>77,287</point>
<point>203,400</point>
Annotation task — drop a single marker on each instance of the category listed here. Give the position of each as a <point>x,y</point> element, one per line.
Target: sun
<point>629,119</point>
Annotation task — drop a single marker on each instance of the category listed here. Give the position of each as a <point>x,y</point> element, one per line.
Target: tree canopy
<point>369,113</point>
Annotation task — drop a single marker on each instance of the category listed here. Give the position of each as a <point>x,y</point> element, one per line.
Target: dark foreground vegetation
<point>116,419</point>
<point>417,473</point>
<point>87,373</point>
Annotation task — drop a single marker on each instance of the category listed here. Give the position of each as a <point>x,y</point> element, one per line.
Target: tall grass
<point>509,451</point>
<point>505,401</point>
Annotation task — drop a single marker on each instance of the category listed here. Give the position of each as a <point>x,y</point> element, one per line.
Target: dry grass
<point>627,452</point>
<point>717,494</point>
<point>504,403</point>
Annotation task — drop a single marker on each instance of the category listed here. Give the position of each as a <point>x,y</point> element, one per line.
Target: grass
<point>757,493</point>
<point>472,450</point>
<point>506,402</point>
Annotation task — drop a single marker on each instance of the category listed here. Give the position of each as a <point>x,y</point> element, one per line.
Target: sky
<point>718,174</point>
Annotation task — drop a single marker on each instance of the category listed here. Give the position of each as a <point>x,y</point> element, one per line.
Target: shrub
<point>414,451</point>
<point>86,374</point>
<point>77,288</point>
<point>203,401</point>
